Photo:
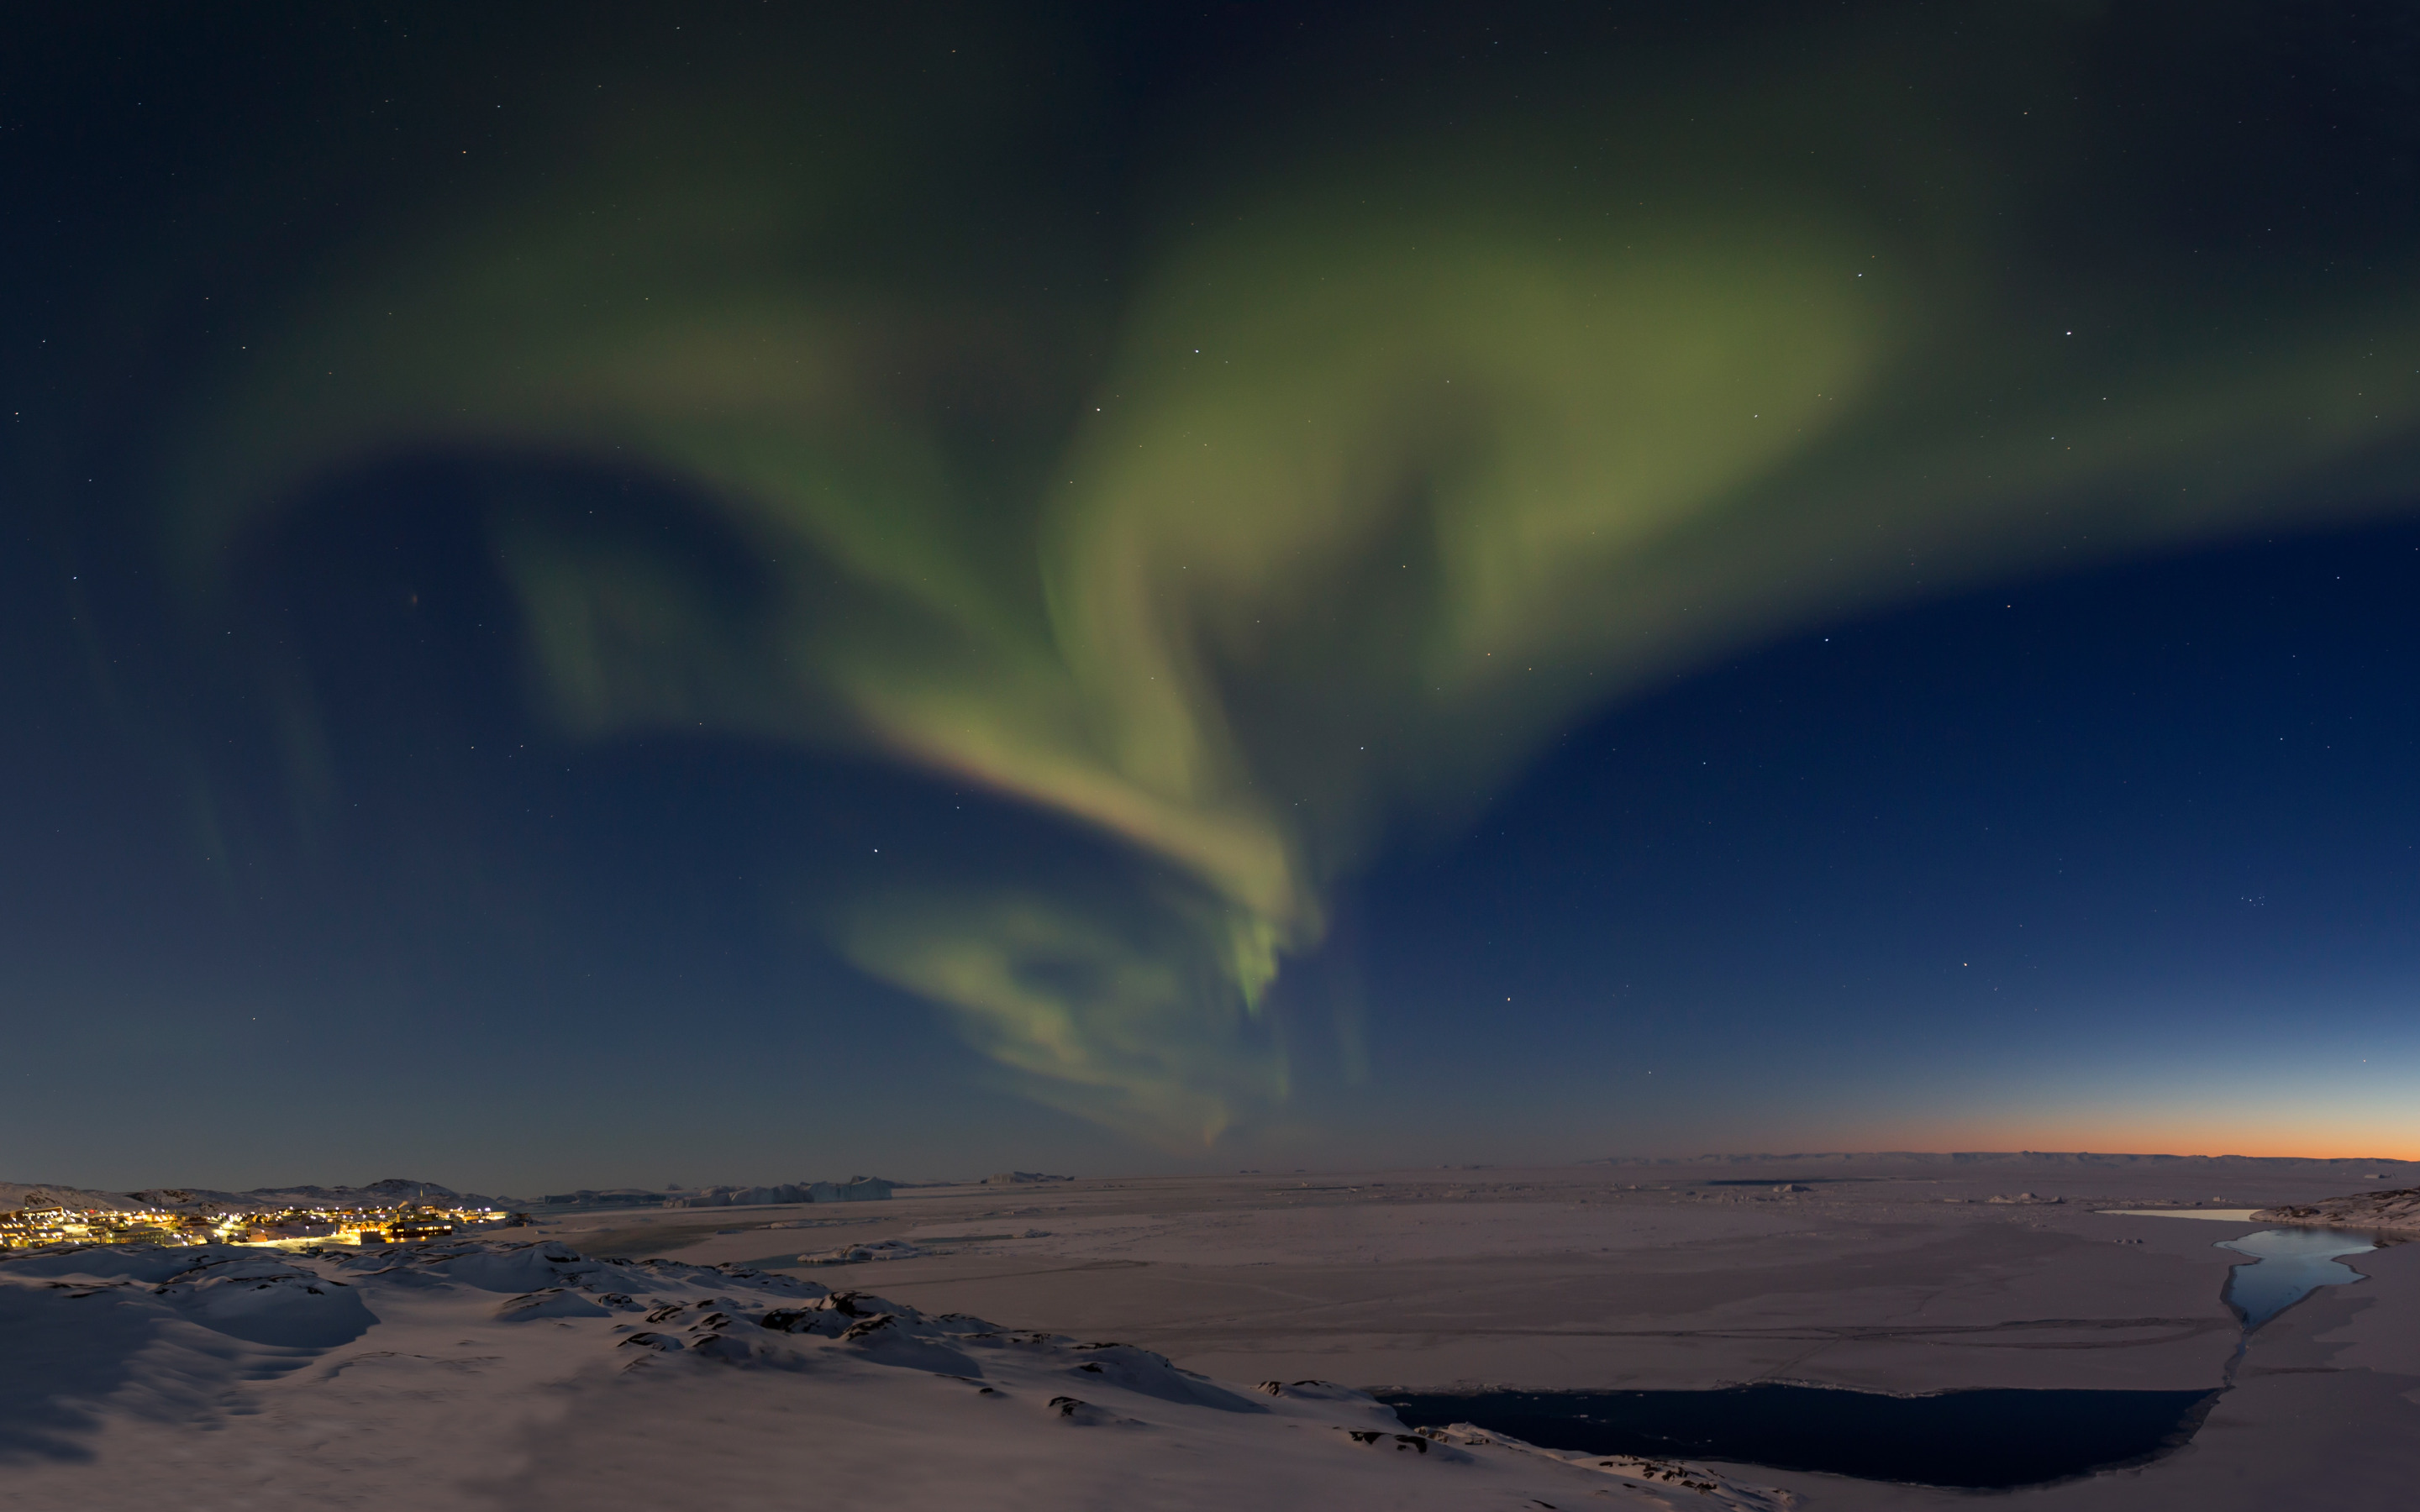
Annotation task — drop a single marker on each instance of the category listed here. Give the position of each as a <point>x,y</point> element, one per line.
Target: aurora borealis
<point>1231,457</point>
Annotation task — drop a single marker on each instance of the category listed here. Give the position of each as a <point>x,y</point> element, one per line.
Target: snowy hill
<point>388,1192</point>
<point>43,1193</point>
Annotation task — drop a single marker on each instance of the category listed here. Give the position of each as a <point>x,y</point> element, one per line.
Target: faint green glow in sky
<point>1399,463</point>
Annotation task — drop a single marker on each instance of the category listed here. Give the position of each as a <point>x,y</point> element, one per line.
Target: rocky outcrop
<point>2395,1212</point>
<point>886,1249</point>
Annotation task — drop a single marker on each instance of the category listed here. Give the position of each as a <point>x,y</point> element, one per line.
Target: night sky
<point>631,595</point>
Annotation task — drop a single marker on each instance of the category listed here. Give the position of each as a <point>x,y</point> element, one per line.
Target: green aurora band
<point>1384,460</point>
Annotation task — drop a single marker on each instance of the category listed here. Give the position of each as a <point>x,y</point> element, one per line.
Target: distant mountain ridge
<point>400,1189</point>
<point>395,1189</point>
<point>381,1194</point>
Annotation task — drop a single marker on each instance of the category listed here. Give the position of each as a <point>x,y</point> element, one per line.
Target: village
<point>40,1225</point>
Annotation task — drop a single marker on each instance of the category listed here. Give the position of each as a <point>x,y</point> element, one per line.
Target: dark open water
<point>1984,1439</point>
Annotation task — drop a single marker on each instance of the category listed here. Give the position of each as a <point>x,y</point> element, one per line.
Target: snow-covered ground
<point>530,1375</point>
<point>485,1376</point>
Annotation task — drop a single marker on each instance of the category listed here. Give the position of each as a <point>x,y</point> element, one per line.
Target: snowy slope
<point>43,1193</point>
<point>528,1376</point>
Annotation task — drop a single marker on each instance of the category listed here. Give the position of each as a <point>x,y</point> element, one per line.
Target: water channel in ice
<point>2286,1265</point>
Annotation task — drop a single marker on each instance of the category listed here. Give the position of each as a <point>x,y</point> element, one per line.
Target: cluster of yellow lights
<point>47,1225</point>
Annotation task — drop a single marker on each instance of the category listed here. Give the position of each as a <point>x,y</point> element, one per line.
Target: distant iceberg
<point>855,1189</point>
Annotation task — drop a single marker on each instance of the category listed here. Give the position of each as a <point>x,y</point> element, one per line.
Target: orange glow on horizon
<point>2271,1138</point>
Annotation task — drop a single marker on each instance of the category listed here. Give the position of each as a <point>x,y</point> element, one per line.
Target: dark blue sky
<point>533,789</point>
<point>2079,858</point>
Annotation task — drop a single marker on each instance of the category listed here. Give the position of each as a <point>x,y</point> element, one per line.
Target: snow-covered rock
<point>2391,1212</point>
<point>885,1249</point>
